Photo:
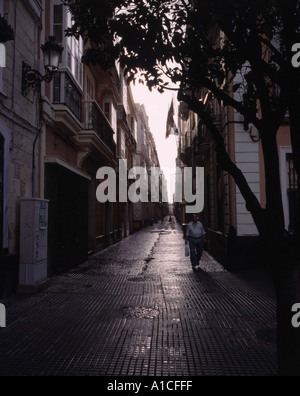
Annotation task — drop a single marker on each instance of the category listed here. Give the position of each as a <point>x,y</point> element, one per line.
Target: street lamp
<point>52,52</point>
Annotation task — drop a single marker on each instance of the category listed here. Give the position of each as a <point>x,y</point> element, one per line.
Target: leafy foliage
<point>92,23</point>
<point>239,51</point>
<point>183,40</point>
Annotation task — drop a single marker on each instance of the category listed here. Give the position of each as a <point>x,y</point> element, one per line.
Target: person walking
<point>195,237</point>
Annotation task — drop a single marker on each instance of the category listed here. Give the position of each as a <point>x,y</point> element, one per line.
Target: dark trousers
<point>196,249</point>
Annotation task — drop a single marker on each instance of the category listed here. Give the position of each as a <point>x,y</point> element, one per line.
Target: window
<point>73,48</point>
<point>56,88</point>
<point>66,92</point>
<point>89,106</point>
<point>74,53</point>
<point>132,125</point>
<point>89,89</point>
<point>58,23</point>
<point>107,111</point>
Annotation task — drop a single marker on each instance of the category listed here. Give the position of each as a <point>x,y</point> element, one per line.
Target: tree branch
<point>225,162</point>
<point>230,101</point>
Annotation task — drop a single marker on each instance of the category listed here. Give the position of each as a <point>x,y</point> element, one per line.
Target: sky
<point>157,107</point>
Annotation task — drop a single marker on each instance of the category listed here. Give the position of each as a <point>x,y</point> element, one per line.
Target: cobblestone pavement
<point>138,309</point>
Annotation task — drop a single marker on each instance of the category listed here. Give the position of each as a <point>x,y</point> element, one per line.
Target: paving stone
<point>137,309</point>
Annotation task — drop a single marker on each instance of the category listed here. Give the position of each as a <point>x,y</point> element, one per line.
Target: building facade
<point>54,137</point>
<point>232,234</point>
<point>233,237</point>
<point>79,137</point>
<point>146,213</point>
<point>126,149</point>
<point>19,126</point>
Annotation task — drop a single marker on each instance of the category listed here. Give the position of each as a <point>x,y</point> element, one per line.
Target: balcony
<point>67,103</point>
<point>95,120</point>
<point>122,117</point>
<point>132,141</point>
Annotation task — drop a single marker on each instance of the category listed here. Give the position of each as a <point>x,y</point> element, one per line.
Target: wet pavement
<point>138,309</point>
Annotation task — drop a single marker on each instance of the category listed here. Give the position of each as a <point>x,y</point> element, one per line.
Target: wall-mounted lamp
<point>51,51</point>
<point>254,134</point>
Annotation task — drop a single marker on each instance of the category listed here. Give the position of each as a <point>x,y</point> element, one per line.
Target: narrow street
<point>138,309</point>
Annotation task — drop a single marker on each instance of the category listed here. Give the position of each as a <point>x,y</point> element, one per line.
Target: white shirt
<point>195,231</point>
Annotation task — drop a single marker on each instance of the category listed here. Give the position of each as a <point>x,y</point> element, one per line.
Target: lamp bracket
<point>33,78</point>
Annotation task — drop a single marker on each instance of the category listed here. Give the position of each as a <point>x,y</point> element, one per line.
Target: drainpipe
<point>33,164</point>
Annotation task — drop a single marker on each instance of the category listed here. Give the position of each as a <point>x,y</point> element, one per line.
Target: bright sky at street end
<point>157,106</point>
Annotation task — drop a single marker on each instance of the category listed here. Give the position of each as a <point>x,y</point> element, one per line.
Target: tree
<point>178,38</point>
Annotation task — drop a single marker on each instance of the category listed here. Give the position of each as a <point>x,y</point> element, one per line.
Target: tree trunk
<point>287,281</point>
<point>274,233</point>
<point>279,255</point>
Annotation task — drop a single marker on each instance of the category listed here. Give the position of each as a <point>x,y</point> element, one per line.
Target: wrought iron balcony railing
<point>66,92</point>
<point>94,119</point>
<point>122,116</point>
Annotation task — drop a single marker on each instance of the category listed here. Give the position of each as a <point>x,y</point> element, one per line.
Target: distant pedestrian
<point>196,238</point>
